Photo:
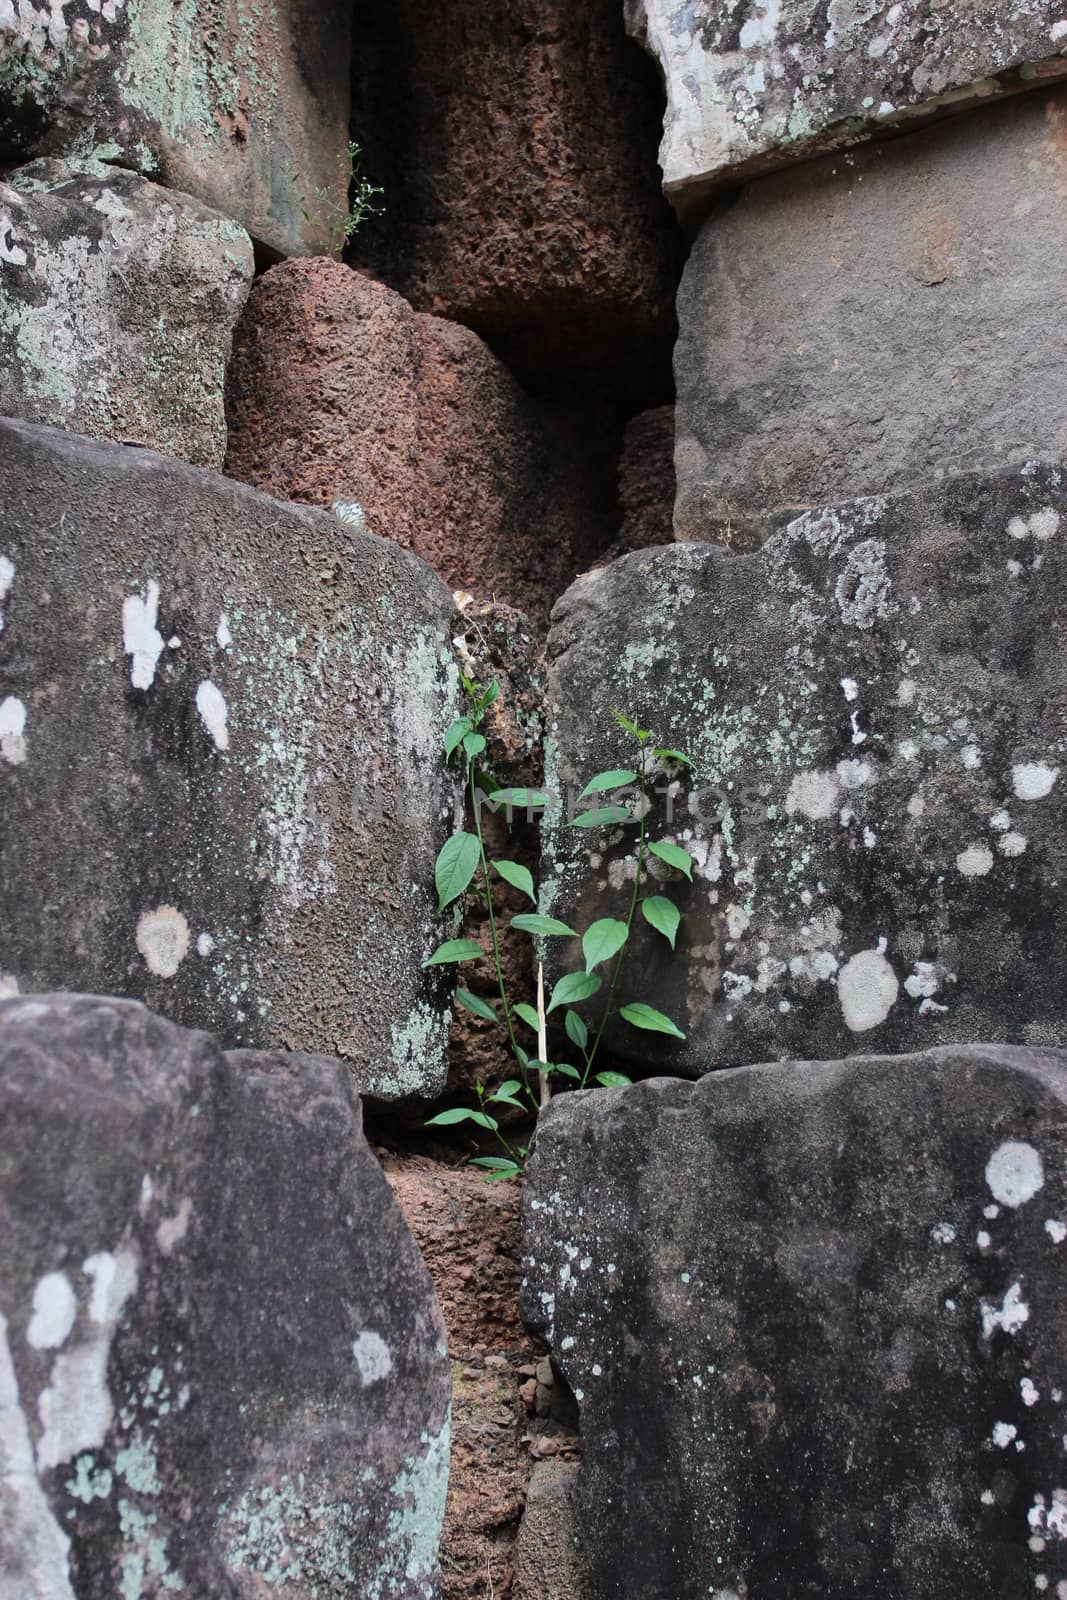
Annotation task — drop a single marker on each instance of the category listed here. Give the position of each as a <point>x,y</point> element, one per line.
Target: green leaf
<point>456,865</point>
<point>614,1080</point>
<point>565,1070</point>
<point>673,755</point>
<point>603,939</point>
<point>454,950</point>
<point>475,1005</point>
<point>601,817</point>
<point>474,744</point>
<point>448,1119</point>
<point>499,1177</point>
<point>512,1086</point>
<point>506,1100</point>
<point>521,799</point>
<point>663,915</point>
<point>617,779</point>
<point>523,1058</point>
<point>528,1015</point>
<point>533,922</point>
<point>486,782</point>
<point>638,1015</point>
<point>638,733</point>
<point>496,1164</point>
<point>491,696</point>
<point>577,1032</point>
<point>572,989</point>
<point>457,731</point>
<point>518,877</point>
<point>674,856</point>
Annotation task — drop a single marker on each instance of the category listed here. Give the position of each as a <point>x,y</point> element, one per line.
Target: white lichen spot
<point>1029,1392</point>
<point>907,749</point>
<point>7,578</point>
<point>906,692</point>
<point>13,730</point>
<point>813,794</point>
<point>1033,780</point>
<point>854,774</point>
<point>924,980</point>
<point>9,986</point>
<point>1056,1230</point>
<point>55,1307</point>
<point>1014,1173</point>
<point>982,1239</point>
<point>141,639</point>
<point>29,1526</point>
<point>850,688</point>
<point>988,1497</point>
<point>943,1233</point>
<point>172,1230</point>
<point>75,1409</point>
<point>211,704</point>
<point>1041,524</point>
<point>205,944</point>
<point>1009,1316</point>
<point>163,940</point>
<point>1000,821</point>
<point>975,861</point>
<point>223,636</point>
<point>867,990</point>
<point>1003,1434</point>
<point>971,757</point>
<point>12,253</point>
<point>1012,844</point>
<point>916,806</point>
<point>372,1356</point>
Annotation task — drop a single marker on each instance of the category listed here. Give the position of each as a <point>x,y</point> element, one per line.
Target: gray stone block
<point>874,319</point>
<point>815,1316</point>
<point>223,1370</point>
<point>220,757</point>
<point>244,106</point>
<point>875,703</point>
<point>118,302</point>
<point>774,83</point>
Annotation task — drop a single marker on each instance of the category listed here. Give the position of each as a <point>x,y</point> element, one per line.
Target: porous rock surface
<point>646,482</point>
<point>118,301</point>
<point>469,1235</point>
<point>222,1363</point>
<point>814,1318</point>
<point>868,321</point>
<point>245,106</point>
<point>220,734</point>
<point>516,143</point>
<point>769,84</point>
<point>340,393</point>
<point>875,704</point>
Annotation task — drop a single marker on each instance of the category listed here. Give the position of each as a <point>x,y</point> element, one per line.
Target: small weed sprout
<point>340,223</point>
<point>463,857</point>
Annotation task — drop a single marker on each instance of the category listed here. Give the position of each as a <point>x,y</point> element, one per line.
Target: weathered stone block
<point>222,785</point>
<point>340,392</point>
<point>222,1364</point>
<point>870,320</point>
<point>516,140</point>
<point>243,105</point>
<point>777,83</point>
<point>876,707</point>
<point>814,1316</point>
<point>118,301</point>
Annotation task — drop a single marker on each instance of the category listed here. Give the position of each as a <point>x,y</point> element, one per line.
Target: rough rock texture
<point>646,482</point>
<point>468,1233</point>
<point>244,105</point>
<point>876,706</point>
<point>776,83</point>
<point>340,392</point>
<point>516,143</point>
<point>220,723</point>
<point>870,320</point>
<point>118,301</point>
<point>546,1562</point>
<point>814,1316</point>
<point>222,1364</point>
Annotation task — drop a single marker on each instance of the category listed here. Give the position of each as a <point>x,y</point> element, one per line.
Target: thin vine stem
<point>487,882</point>
<point>608,1007</point>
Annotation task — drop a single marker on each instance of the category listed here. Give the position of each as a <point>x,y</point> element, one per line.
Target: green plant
<point>464,857</point>
<point>341,223</point>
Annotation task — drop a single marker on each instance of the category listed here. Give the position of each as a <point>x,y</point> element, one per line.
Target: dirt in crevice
<point>470,1237</point>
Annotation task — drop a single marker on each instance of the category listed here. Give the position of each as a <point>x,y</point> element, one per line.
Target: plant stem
<point>542,1036</point>
<point>492,929</point>
<point>629,926</point>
